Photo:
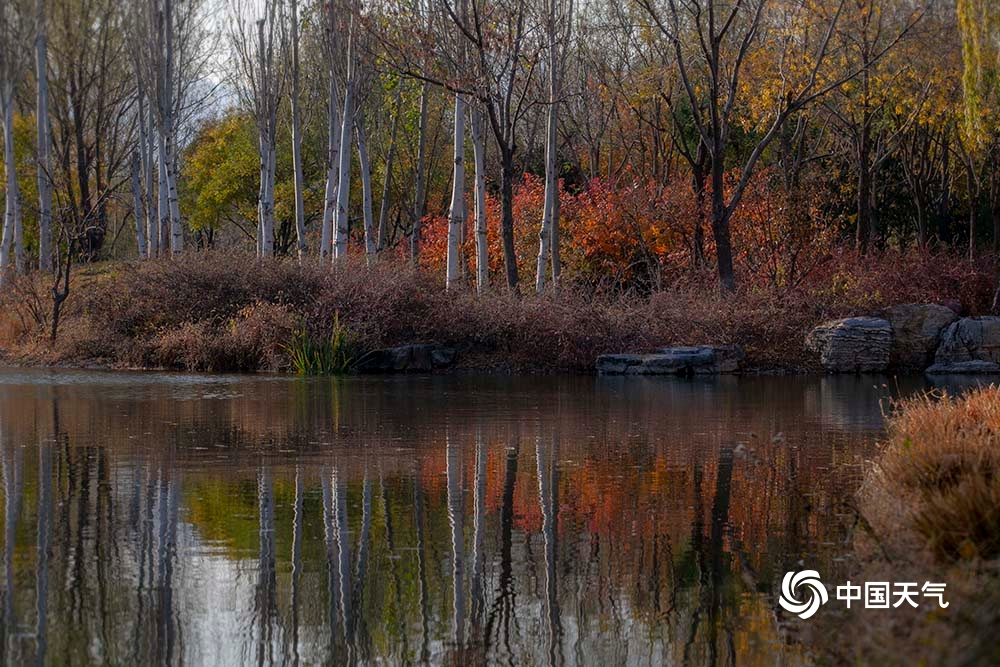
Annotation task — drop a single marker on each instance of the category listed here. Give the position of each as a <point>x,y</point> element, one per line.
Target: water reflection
<point>560,521</point>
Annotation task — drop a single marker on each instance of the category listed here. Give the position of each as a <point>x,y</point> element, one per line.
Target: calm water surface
<point>165,519</point>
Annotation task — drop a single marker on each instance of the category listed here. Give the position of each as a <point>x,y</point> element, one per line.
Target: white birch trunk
<point>12,241</point>
<point>44,143</point>
<point>383,213</point>
<point>550,215</point>
<point>140,231</point>
<point>421,181</point>
<point>163,208</point>
<point>456,211</point>
<point>482,247</point>
<point>332,169</point>
<point>300,219</point>
<point>265,207</point>
<point>173,198</point>
<point>340,219</point>
<point>149,167</point>
<point>371,247</point>
<point>167,129</point>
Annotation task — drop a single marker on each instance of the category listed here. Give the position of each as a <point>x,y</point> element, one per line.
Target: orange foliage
<point>635,233</point>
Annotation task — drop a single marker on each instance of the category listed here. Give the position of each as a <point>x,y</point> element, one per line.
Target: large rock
<point>974,367</point>
<point>970,345</point>
<point>687,361</point>
<point>852,345</point>
<point>916,332</point>
<point>406,358</point>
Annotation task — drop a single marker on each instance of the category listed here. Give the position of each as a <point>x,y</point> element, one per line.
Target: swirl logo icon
<point>807,579</point>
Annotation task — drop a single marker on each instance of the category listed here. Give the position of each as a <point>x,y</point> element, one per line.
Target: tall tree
<point>341,220</point>
<point>13,32</point>
<point>258,50</point>
<point>558,22</point>
<point>331,45</point>
<point>711,40</point>
<point>44,139</point>
<point>300,216</point>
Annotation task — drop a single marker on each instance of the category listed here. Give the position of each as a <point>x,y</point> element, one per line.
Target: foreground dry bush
<point>939,476</point>
<point>220,311</point>
<point>931,507</point>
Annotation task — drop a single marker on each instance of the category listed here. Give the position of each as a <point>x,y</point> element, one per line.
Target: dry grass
<point>931,503</point>
<point>938,477</point>
<point>220,311</point>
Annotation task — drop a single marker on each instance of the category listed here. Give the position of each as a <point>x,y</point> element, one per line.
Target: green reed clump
<point>333,355</point>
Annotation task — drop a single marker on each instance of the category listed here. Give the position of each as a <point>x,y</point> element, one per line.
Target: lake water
<point>162,519</point>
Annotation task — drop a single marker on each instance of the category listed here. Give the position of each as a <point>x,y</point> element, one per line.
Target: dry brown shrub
<point>937,481</point>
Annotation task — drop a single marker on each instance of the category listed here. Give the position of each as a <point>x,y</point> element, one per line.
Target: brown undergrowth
<point>221,311</point>
<point>930,511</point>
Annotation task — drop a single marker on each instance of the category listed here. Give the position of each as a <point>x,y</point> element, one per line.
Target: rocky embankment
<point>912,337</point>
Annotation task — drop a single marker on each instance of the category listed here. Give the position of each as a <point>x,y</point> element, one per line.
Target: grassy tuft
<point>939,474</point>
<point>332,355</point>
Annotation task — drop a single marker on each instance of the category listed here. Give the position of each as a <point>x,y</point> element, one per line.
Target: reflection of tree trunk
<point>266,599</point>
<point>342,543</point>
<point>12,508</point>
<point>504,604</point>
<point>363,548</point>
<point>145,564</point>
<point>456,513</point>
<point>698,551</point>
<point>165,567</point>
<point>331,560</point>
<point>390,544</point>
<point>548,500</point>
<point>42,564</point>
<point>478,533</point>
<point>102,540</point>
<point>418,517</point>
<point>720,521</point>
<point>296,563</point>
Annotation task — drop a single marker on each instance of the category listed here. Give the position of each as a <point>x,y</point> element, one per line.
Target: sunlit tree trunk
<point>420,178</point>
<point>456,210</point>
<point>12,242</point>
<point>138,212</point>
<point>149,169</point>
<point>390,160</point>
<point>267,121</point>
<point>548,251</point>
<point>371,244</point>
<point>341,220</point>
<point>333,164</point>
<point>163,211</point>
<point>300,218</point>
<point>44,142</point>
<point>482,244</point>
<point>167,131</point>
